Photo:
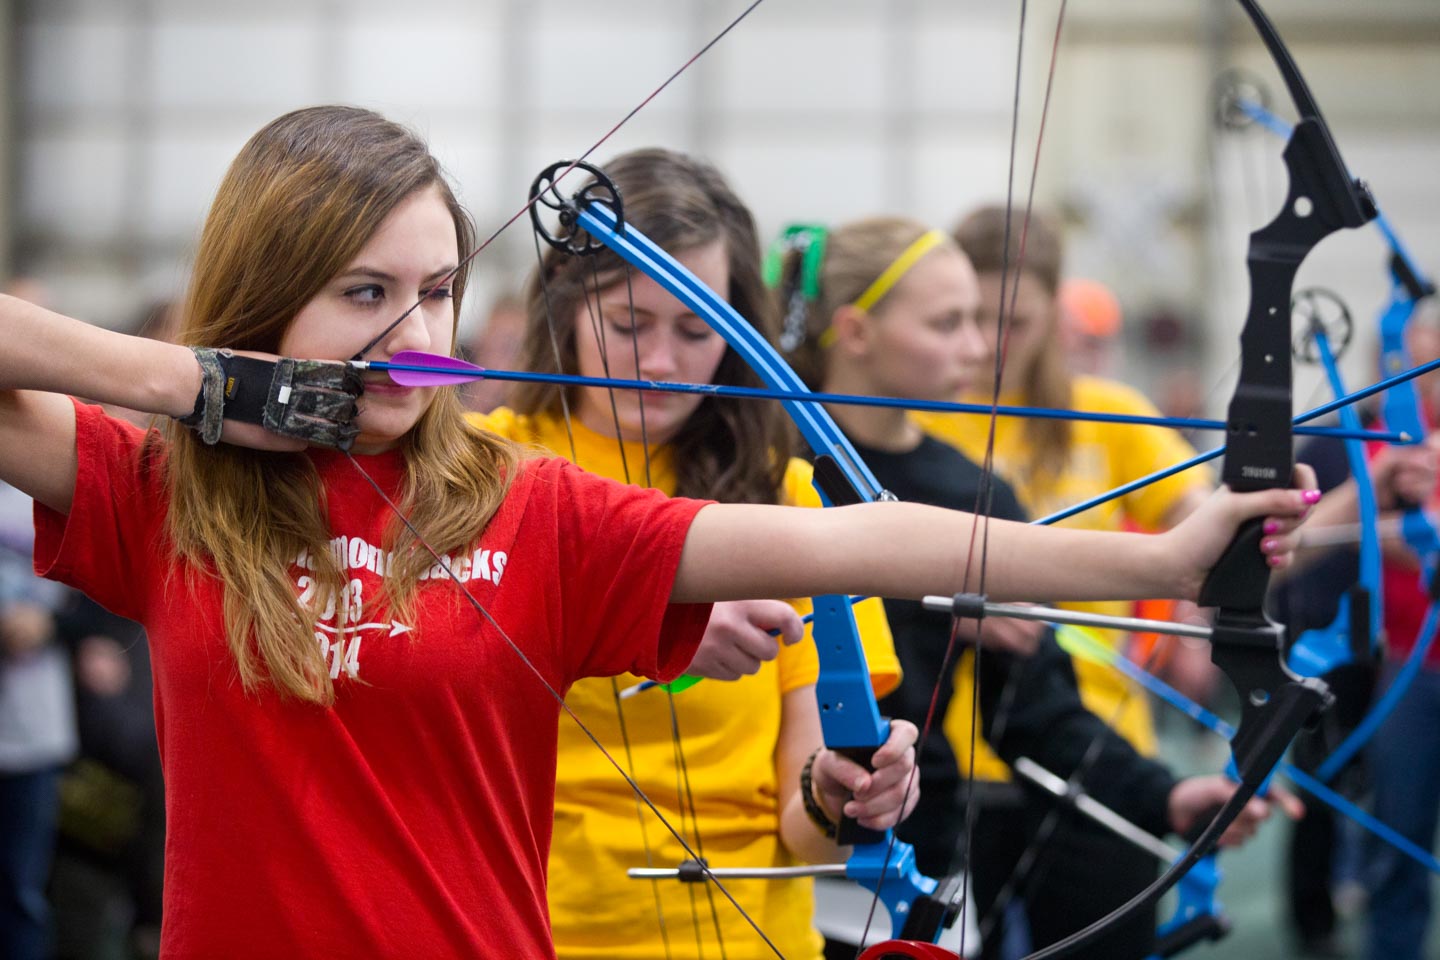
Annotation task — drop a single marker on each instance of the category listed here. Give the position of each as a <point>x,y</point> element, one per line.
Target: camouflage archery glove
<point>311,400</point>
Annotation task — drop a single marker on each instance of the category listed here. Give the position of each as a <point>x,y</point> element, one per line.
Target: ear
<point>850,328</point>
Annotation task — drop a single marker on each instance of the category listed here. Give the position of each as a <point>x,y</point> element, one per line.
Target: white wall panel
<point>221,63</point>
<point>129,110</point>
<point>53,77</point>
<point>396,62</point>
<point>73,186</point>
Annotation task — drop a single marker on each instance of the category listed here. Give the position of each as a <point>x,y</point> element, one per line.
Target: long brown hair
<point>297,205</point>
<point>991,238</point>
<point>729,449</point>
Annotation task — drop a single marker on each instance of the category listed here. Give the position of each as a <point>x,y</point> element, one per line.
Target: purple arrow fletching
<point>414,368</point>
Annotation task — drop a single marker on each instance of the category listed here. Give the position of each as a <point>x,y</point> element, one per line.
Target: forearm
<point>49,352</point>
<point>800,736</point>
<point>1043,718</point>
<point>802,837</point>
<point>908,550</point>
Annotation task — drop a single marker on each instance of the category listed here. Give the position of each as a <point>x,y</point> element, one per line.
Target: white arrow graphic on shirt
<point>395,627</point>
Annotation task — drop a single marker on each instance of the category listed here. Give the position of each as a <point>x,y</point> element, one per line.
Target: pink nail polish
<point>1271,526</point>
<point>1311,496</point>
<point>1267,546</point>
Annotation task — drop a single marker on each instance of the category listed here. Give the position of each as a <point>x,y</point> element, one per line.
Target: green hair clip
<point>802,287</point>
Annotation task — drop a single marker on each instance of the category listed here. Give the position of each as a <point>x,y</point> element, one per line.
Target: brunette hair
<point>991,238</point>
<point>297,205</point>
<point>729,449</point>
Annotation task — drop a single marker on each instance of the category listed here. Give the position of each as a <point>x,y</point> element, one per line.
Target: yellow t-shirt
<point>1103,456</point>
<point>729,731</point>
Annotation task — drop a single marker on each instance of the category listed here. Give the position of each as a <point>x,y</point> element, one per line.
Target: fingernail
<point>1274,561</point>
<point>1311,496</point>
<point>1271,526</point>
<point>1268,546</point>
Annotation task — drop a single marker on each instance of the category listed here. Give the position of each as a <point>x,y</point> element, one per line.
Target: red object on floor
<point>898,949</point>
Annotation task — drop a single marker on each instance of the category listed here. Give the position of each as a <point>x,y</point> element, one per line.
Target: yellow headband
<point>886,281</point>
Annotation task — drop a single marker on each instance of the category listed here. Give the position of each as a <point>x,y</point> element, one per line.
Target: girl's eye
<point>369,293</point>
<point>620,323</point>
<point>442,292</point>
<point>697,334</point>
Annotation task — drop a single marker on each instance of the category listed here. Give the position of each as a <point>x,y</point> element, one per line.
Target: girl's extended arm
<point>908,550</point>
<point>46,355</point>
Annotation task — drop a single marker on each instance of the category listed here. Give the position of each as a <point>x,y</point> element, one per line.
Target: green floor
<point>1252,890</point>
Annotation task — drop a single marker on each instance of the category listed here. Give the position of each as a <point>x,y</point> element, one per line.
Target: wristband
<point>813,810</point>
<point>311,400</point>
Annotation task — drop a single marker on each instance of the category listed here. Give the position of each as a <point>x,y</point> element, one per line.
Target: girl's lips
<point>386,387</point>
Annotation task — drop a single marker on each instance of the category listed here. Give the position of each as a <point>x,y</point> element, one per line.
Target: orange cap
<point>1091,307</point>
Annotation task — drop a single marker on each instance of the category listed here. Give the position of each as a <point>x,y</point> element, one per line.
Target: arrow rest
<point>545,192</point>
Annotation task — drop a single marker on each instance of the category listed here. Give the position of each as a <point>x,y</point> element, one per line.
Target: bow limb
<point>1352,636</point>
<point>1401,411</point>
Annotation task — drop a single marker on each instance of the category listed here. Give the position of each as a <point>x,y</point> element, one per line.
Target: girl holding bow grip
<point>356,763</point>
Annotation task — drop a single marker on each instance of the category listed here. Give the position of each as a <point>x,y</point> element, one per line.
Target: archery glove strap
<point>311,400</point>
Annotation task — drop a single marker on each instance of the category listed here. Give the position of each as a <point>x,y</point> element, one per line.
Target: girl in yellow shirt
<point>1052,464</point>
<point>732,775</point>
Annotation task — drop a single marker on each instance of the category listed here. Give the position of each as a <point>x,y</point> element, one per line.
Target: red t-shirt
<point>1405,599</point>
<point>413,817</point>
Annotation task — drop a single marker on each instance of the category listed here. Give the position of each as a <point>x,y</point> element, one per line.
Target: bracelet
<point>813,810</point>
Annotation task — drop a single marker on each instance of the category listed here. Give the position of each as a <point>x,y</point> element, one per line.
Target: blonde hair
<point>297,205</point>
<point>855,255</point>
<point>991,238</point>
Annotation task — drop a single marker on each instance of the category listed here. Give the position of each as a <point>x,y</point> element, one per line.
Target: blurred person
<point>893,311</point>
<point>1090,318</point>
<point>1181,393</point>
<point>37,735</point>
<point>1305,600</point>
<point>108,876</point>
<point>746,804</point>
<point>1404,754</point>
<point>497,343</point>
<point>37,719</point>
<point>1053,464</point>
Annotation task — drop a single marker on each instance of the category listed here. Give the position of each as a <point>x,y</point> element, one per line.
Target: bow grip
<point>848,832</point>
<point>1241,576</point>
